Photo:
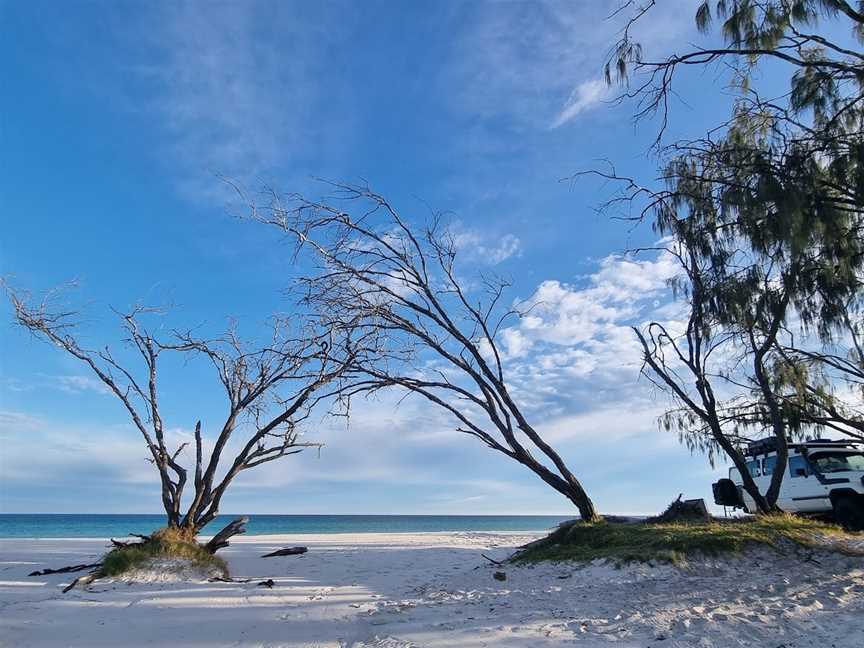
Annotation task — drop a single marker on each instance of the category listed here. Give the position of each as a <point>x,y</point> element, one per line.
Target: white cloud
<point>516,344</point>
<point>567,315</point>
<point>609,425</point>
<point>508,246</point>
<point>36,447</point>
<point>79,384</point>
<point>486,248</point>
<point>585,96</point>
<point>574,350</point>
<point>18,422</point>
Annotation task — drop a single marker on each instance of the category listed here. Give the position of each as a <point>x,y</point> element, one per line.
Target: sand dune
<point>432,590</point>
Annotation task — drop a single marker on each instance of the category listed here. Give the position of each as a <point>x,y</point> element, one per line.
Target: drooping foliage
<point>782,181</point>
<point>770,202</point>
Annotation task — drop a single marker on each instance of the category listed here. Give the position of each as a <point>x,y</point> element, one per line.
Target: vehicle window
<point>753,467</point>
<point>768,465</point>
<point>797,464</point>
<point>828,462</point>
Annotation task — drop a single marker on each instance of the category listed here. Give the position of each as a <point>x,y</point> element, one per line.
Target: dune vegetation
<point>170,544</point>
<point>675,542</point>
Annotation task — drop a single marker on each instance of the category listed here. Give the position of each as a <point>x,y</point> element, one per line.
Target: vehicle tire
<point>849,512</point>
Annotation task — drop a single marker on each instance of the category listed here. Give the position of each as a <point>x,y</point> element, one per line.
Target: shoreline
<point>255,537</point>
<point>105,525</point>
<point>432,590</point>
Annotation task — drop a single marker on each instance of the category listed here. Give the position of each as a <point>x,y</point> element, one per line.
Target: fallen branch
<point>83,580</point>
<point>220,540</point>
<point>119,544</point>
<point>288,551</point>
<point>64,570</point>
<point>492,560</point>
<point>227,579</point>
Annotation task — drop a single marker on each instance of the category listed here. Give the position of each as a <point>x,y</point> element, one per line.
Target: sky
<point>121,118</point>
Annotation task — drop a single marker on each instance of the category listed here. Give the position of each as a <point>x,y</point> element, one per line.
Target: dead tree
<point>380,274</point>
<point>271,389</point>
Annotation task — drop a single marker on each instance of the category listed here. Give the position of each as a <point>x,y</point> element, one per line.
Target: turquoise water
<point>104,526</point>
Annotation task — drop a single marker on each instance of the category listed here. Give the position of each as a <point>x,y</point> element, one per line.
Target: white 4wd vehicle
<point>822,477</point>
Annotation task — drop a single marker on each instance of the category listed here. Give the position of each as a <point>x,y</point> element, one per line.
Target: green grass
<point>166,543</point>
<point>675,542</point>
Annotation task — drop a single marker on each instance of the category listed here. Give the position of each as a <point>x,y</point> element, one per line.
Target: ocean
<point>62,525</point>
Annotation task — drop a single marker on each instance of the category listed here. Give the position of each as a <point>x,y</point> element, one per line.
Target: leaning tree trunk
<point>220,540</point>
<point>568,485</point>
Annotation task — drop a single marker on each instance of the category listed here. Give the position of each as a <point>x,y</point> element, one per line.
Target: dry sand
<point>432,590</point>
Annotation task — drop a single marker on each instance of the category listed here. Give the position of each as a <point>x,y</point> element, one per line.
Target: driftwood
<point>81,580</point>
<point>64,570</point>
<point>492,560</point>
<point>220,540</point>
<point>128,543</point>
<point>118,544</point>
<point>269,583</point>
<point>227,579</point>
<point>87,578</point>
<point>288,551</point>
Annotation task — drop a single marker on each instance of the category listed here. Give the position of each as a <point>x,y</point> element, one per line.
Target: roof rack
<point>761,446</point>
<point>831,443</point>
<point>769,444</point>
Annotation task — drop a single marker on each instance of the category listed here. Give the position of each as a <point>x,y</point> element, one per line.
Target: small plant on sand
<point>675,542</point>
<point>170,544</point>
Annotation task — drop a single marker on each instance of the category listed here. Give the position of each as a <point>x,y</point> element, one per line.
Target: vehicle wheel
<point>849,512</point>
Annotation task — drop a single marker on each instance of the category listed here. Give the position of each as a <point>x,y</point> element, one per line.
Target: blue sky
<point>118,120</point>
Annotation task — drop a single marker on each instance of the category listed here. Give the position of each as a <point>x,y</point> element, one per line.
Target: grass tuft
<point>165,543</point>
<point>675,542</point>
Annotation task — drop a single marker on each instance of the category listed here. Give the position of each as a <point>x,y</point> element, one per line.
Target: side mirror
<point>800,472</point>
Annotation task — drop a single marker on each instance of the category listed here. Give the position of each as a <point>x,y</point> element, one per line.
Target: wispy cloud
<point>79,384</point>
<point>587,95</point>
<point>486,248</point>
<point>526,61</point>
<point>238,88</point>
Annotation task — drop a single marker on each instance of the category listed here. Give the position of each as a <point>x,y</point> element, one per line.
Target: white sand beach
<point>432,590</point>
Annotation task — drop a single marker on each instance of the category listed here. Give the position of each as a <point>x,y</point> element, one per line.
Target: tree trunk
<point>779,471</point>
<point>568,486</point>
<point>580,498</point>
<point>740,464</point>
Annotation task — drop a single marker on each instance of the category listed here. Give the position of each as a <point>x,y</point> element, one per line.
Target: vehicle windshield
<point>828,462</point>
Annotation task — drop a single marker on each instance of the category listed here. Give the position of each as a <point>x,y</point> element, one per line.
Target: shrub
<point>165,543</point>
